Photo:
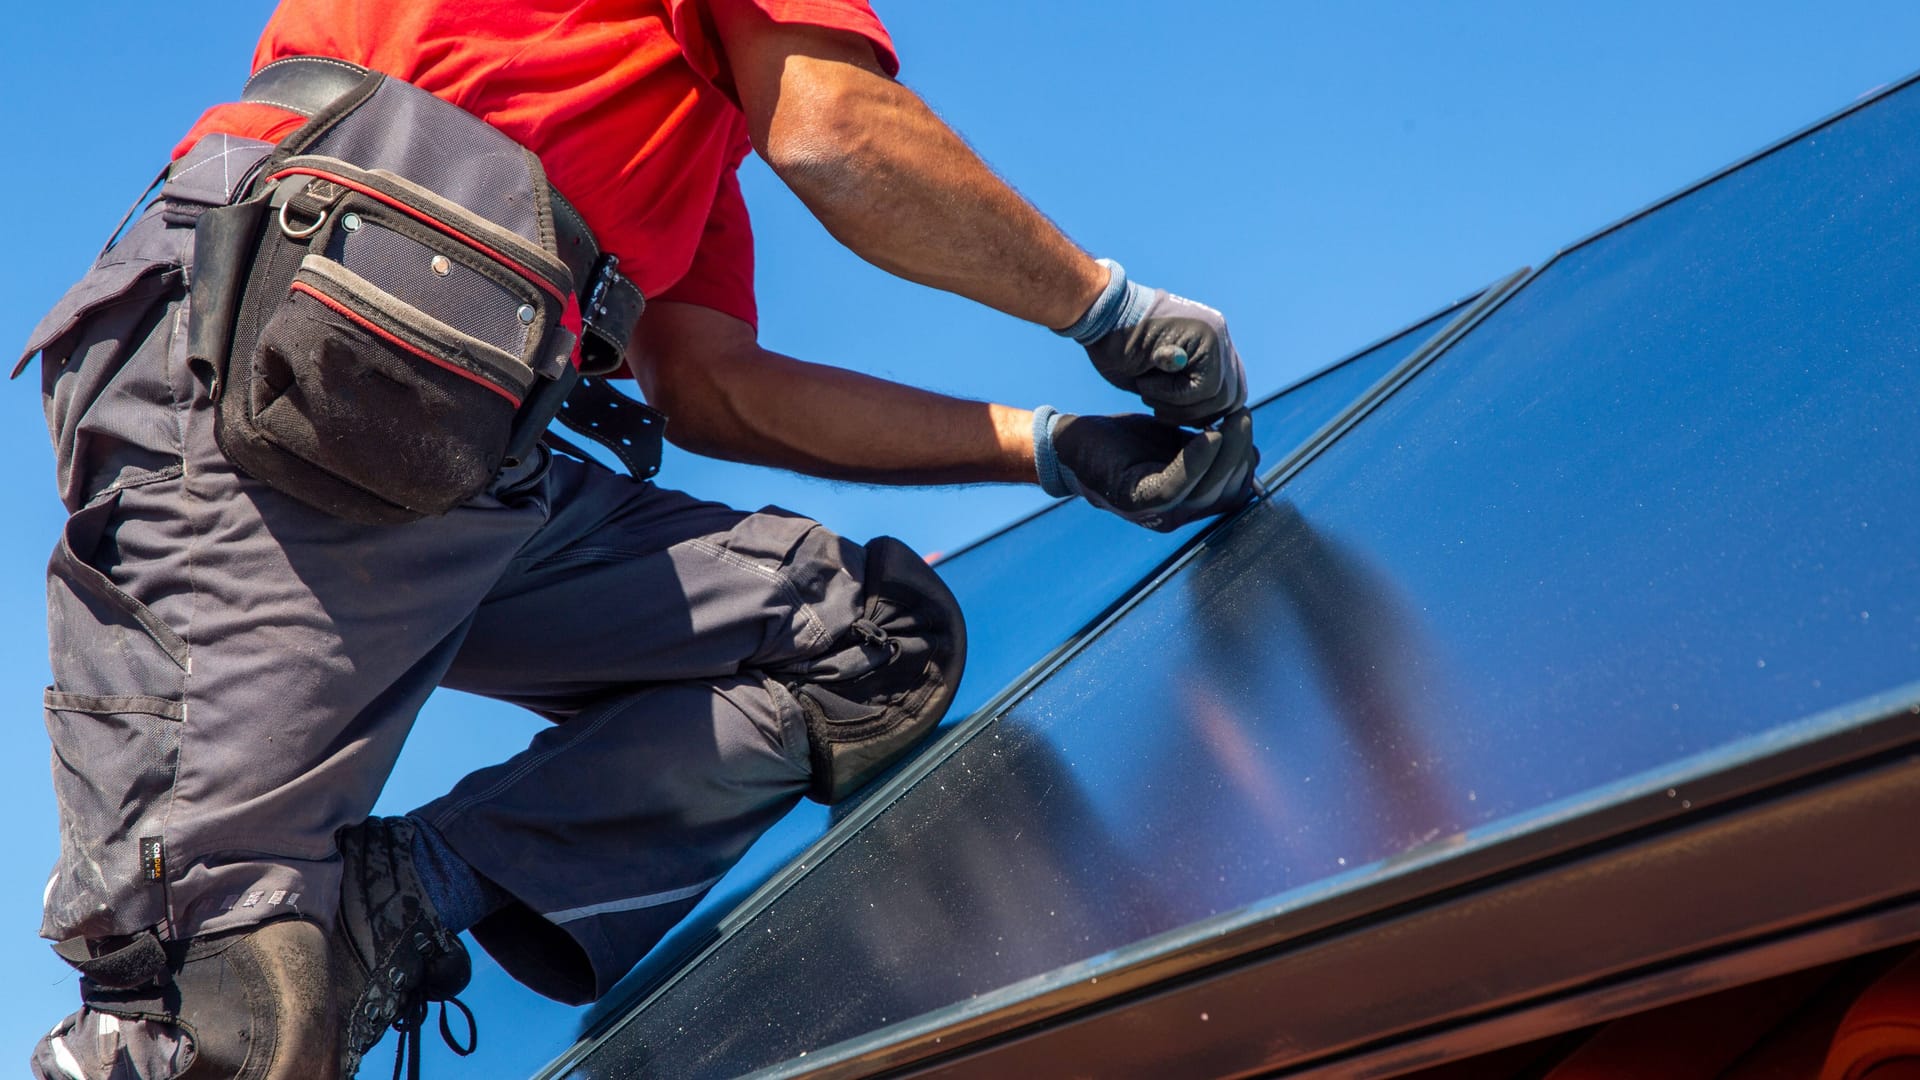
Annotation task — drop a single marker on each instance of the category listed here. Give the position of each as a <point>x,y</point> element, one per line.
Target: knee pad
<point>858,727</point>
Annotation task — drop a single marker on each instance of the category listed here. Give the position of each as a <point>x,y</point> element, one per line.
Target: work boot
<point>914,639</point>
<point>391,956</point>
<point>249,1004</point>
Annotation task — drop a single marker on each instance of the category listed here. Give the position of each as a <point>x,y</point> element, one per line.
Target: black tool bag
<point>398,304</point>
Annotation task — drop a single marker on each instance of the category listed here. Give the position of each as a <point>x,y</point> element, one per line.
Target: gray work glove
<point>1172,352</point>
<point>1154,474</point>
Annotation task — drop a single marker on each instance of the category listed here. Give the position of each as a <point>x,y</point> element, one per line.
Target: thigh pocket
<point>114,717</point>
<point>114,760</point>
<point>104,641</point>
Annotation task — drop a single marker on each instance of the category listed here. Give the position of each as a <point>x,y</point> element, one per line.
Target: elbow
<point>688,360</point>
<point>668,391</point>
<point>686,424</point>
<point>825,134</point>
<point>699,409</point>
<point>814,168</point>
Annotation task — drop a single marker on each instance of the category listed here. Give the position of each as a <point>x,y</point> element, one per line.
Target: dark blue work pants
<point>235,673</point>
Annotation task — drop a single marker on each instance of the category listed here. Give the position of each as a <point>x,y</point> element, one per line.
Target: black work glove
<point>1153,473</point>
<point>1172,352</point>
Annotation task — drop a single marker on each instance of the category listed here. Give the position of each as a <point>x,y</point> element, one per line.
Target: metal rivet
<point>527,313</point>
<point>441,265</point>
<point>350,222</point>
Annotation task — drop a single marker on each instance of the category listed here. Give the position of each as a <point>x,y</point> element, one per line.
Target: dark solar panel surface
<point>1027,590</point>
<point>1662,503</point>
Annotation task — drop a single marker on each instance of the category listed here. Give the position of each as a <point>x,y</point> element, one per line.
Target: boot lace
<point>413,1019</point>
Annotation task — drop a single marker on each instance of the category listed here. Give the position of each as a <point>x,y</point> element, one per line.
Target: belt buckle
<point>606,271</point>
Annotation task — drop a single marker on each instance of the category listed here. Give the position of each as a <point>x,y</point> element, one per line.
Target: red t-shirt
<point>620,99</point>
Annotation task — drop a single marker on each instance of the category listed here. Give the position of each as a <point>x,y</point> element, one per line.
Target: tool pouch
<point>388,311</point>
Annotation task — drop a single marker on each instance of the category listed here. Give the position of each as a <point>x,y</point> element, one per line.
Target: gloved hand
<point>1171,351</point>
<point>1154,474</point>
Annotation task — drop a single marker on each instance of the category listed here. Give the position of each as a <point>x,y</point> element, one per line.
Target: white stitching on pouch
<point>220,157</point>
<point>277,105</point>
<point>307,60</point>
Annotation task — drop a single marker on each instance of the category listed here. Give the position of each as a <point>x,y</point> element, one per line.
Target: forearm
<point>837,424</point>
<point>727,397</point>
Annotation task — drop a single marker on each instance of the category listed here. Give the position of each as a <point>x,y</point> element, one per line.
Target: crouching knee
<point>911,628</point>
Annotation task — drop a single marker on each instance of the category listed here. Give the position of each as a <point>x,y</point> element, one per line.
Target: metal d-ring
<point>300,234</point>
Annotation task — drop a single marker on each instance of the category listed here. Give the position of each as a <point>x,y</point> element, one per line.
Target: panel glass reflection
<point>1664,499</point>
<point>1028,590</point>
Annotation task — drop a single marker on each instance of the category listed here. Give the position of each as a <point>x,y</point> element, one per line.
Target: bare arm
<point>890,180</point>
<point>899,188</point>
<point>729,398</point>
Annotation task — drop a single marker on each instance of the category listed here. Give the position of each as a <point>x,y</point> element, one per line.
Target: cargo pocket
<point>106,284</point>
<point>114,759</point>
<point>114,718</point>
<point>91,340</point>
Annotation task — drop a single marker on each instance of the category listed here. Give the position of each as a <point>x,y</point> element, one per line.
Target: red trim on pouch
<point>366,324</point>
<point>430,220</point>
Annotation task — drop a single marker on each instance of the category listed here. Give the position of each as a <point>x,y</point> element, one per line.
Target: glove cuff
<point>1046,462</point>
<point>1120,304</point>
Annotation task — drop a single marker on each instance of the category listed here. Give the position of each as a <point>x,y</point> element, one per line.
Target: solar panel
<point>1650,525</point>
<point>1029,589</point>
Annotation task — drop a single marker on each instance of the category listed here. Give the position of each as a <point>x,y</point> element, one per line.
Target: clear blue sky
<point>1323,174</point>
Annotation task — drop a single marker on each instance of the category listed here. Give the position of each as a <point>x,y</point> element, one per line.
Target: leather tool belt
<point>397,304</point>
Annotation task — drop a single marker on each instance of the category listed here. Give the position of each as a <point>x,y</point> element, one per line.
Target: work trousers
<point>235,672</point>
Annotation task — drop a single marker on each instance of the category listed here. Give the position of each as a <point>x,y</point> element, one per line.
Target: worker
<point>295,511</point>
